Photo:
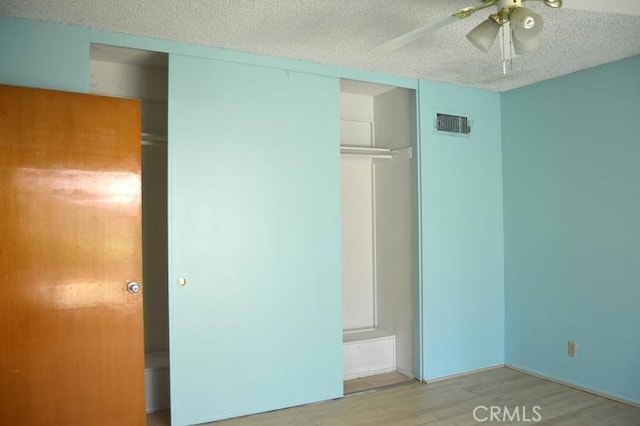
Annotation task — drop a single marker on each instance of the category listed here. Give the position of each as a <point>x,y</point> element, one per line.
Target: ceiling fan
<point>519,27</point>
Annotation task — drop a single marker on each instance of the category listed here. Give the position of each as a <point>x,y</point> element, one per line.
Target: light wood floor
<point>375,382</point>
<point>452,402</point>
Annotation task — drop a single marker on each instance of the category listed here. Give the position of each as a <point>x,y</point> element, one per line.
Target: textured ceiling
<point>343,32</point>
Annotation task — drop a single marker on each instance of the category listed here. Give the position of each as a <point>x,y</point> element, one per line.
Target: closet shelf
<point>376,152</point>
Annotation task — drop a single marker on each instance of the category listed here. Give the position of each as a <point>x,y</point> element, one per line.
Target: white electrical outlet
<point>572,349</point>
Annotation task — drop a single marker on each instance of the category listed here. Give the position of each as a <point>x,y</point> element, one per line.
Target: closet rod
<point>368,155</point>
<point>153,139</point>
<point>365,149</point>
<point>375,152</point>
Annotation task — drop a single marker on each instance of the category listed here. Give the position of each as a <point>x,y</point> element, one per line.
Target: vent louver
<point>452,124</point>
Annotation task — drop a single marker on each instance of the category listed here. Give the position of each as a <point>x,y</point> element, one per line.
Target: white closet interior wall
<point>358,292</point>
<point>395,227</point>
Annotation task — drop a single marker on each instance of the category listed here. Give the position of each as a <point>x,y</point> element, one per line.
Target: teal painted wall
<point>42,55</point>
<point>571,166</point>
<point>462,239</point>
<point>56,56</point>
<point>462,327</point>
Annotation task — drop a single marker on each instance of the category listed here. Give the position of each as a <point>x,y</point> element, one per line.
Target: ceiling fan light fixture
<point>524,46</point>
<point>484,35</point>
<point>526,27</point>
<point>553,3</point>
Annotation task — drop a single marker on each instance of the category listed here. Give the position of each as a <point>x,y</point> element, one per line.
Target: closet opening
<point>132,73</point>
<point>379,235</point>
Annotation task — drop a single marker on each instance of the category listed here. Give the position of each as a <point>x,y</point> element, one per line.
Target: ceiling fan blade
<point>418,33</point>
<point>414,35</point>
<point>623,7</point>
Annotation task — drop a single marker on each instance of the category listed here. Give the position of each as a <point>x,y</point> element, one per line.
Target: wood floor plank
<point>601,410</point>
<point>451,403</point>
<point>374,382</point>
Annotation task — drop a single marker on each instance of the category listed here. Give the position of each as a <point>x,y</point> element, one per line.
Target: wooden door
<point>255,231</point>
<point>70,240</point>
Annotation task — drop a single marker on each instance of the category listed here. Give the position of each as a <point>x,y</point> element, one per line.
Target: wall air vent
<point>452,124</point>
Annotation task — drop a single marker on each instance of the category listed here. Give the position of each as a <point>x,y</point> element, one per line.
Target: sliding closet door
<point>255,309</point>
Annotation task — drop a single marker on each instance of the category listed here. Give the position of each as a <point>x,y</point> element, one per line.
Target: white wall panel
<point>357,244</point>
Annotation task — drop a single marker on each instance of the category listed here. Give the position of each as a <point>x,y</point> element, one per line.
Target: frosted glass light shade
<point>484,35</point>
<point>526,27</point>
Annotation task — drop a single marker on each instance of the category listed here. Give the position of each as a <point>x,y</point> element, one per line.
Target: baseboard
<point>368,373</point>
<point>465,373</point>
<point>574,386</point>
